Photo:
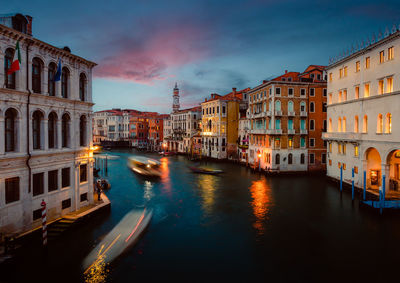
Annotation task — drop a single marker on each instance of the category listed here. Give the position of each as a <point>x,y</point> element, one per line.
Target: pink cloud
<point>147,59</point>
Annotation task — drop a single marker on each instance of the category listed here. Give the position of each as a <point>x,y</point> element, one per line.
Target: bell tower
<point>175,104</point>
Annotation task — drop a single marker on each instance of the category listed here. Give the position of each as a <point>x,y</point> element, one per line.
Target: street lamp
<point>259,161</point>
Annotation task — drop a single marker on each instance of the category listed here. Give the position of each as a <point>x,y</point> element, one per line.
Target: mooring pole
<point>341,177</point>
<point>44,223</point>
<point>365,185</point>
<point>383,187</point>
<point>352,184</point>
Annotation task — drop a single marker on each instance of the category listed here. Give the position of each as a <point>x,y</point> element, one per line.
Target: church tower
<point>175,104</point>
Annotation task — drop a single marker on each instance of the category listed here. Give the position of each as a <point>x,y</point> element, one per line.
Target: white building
<point>45,130</point>
<point>167,128</point>
<point>244,136</point>
<point>363,114</point>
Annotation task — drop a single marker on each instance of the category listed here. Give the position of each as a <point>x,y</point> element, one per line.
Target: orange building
<point>287,116</point>
<point>156,130</point>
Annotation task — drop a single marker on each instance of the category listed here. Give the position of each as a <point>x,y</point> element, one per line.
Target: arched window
<point>356,124</point>
<point>82,131</point>
<point>270,105</point>
<point>51,82</point>
<point>330,125</point>
<point>344,125</point>
<point>312,125</point>
<point>64,82</point>
<point>52,130</point>
<point>277,105</point>
<point>82,87</point>
<point>365,124</point>
<point>10,130</point>
<point>339,126</point>
<point>302,158</point>
<point>36,75</point>
<point>65,122</point>
<point>277,159</point>
<point>388,123</point>
<point>303,106</point>
<point>312,107</point>
<point>290,106</point>
<point>290,158</point>
<point>36,129</point>
<point>9,80</point>
<point>379,126</point>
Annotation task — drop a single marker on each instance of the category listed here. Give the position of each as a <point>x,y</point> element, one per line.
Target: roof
<point>193,109</point>
<point>234,95</point>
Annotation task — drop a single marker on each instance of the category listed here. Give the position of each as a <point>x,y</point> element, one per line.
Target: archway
<point>393,172</point>
<point>374,170</point>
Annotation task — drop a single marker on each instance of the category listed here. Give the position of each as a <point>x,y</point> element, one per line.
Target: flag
<point>57,76</point>
<point>16,61</point>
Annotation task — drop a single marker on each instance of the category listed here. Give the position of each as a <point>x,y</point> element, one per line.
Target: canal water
<point>239,227</point>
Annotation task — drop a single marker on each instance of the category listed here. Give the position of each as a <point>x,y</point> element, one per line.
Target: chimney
<point>264,81</point>
<point>285,71</point>
<point>29,25</point>
<point>234,90</point>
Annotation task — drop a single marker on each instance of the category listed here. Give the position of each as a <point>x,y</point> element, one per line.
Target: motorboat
<point>145,166</point>
<point>122,237</point>
<point>205,170</point>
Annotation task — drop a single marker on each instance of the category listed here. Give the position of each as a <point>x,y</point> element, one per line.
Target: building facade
<point>363,102</point>
<point>45,129</point>
<point>156,132</point>
<point>287,117</point>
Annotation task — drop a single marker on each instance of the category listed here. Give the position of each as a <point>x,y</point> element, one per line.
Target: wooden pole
<point>365,185</point>
<point>341,177</point>
<point>352,184</point>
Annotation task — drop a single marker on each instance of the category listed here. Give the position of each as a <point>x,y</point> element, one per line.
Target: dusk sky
<point>143,47</point>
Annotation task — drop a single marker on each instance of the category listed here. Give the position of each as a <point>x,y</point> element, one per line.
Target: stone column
<point>45,134</point>
<point>2,134</point>
<point>1,68</point>
<point>45,80</point>
<point>386,171</point>
<point>30,137</point>
<point>59,134</point>
<point>75,188</point>
<point>364,168</point>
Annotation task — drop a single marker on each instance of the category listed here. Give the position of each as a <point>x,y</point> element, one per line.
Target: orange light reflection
<point>261,194</point>
<point>165,179</point>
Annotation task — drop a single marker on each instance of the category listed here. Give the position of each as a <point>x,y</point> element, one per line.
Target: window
<point>365,124</point>
<point>38,184</point>
<point>330,98</point>
<point>380,87</point>
<point>290,124</point>
<point>65,177</point>
<point>330,147</point>
<point>302,124</point>
<point>302,142</point>
<point>357,92</point>
<point>302,106</point>
<point>12,189</point>
<point>302,91</point>
<point>312,158</point>
<point>66,203</point>
<point>302,158</point>
<point>223,109</point>
<point>340,96</point>
<point>340,148</point>
<point>277,105</point>
<point>357,66</point>
<point>52,180</point>
<point>10,130</point>
<point>367,62</point>
<point>290,142</point>
<point>325,92</point>
<point>50,77</point>
<point>82,173</point>
<point>366,90</point>
<point>390,53</point>
<point>312,92</point>
<point>290,92</point>
<point>330,77</point>
<point>344,148</point>
<point>36,129</point>
<point>312,107</point>
<point>290,106</point>
<point>277,159</point>
<point>330,126</point>
<point>344,125</point>
<point>324,107</point>
<point>65,130</point>
<point>312,142</point>
<point>278,124</point>
<point>36,75</point>
<point>356,150</point>
<point>355,170</point>
<point>379,126</point>
<point>389,85</point>
<point>356,124</point>
<point>324,127</point>
<point>82,87</point>
<point>82,131</point>
<point>84,197</point>
<point>345,71</point>
<point>52,133</point>
<point>290,158</point>
<point>278,91</point>
<point>312,125</point>
<point>64,82</point>
<point>341,73</point>
<point>9,80</point>
<point>323,158</point>
<point>388,123</point>
<point>381,56</point>
<point>37,214</point>
<point>345,95</point>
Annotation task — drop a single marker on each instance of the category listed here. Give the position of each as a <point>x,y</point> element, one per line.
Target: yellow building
<point>220,122</point>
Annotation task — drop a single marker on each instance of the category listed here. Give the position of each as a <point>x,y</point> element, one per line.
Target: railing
<point>291,113</point>
<point>291,132</point>
<point>303,113</point>
<point>342,136</point>
<point>274,132</point>
<point>303,132</point>
<point>278,113</point>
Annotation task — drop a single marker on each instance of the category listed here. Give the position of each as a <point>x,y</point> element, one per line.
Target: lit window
<point>339,148</point>
<point>345,71</point>
<point>388,127</point>
<point>366,90</point>
<point>367,63</point>
<point>380,87</point>
<point>340,73</point>
<point>355,170</point>
<point>357,66</point>
<point>379,126</point>
<point>330,77</point>
<point>381,56</point>
<point>357,92</point>
<point>330,98</point>
<point>345,95</point>
<point>330,147</point>
<point>390,53</point>
<point>356,150</point>
<point>340,96</point>
<point>365,124</point>
<point>389,85</point>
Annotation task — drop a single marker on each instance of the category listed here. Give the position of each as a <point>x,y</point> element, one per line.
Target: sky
<point>142,47</point>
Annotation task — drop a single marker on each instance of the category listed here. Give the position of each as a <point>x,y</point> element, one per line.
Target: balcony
<point>274,132</point>
<point>303,113</point>
<point>278,113</point>
<point>303,132</point>
<point>258,131</point>
<point>291,132</point>
<point>291,113</point>
<point>268,113</point>
<point>342,136</point>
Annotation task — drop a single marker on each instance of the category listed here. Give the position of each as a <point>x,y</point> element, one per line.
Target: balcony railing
<point>303,113</point>
<point>291,132</point>
<point>342,136</point>
<point>303,132</point>
<point>274,132</point>
<point>291,113</point>
<point>278,113</point>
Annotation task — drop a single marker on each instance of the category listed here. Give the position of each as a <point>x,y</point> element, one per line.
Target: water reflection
<point>148,192</point>
<point>261,195</point>
<point>98,272</point>
<point>207,184</point>
<point>165,178</point>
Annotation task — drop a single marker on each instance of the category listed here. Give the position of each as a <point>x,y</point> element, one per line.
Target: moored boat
<point>205,170</point>
<point>145,166</point>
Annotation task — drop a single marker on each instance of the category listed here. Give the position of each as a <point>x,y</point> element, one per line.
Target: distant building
<point>244,136</point>
<point>287,118</point>
<point>156,132</point>
<point>139,131</point>
<point>46,124</point>
<point>220,122</point>
<point>363,112</point>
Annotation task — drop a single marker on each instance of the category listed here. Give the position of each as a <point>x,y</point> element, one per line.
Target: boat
<point>169,153</point>
<point>122,237</point>
<point>205,170</point>
<point>145,166</point>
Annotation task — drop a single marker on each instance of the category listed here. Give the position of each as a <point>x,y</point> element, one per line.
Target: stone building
<point>45,129</point>
<point>287,118</point>
<point>156,131</point>
<point>363,112</point>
